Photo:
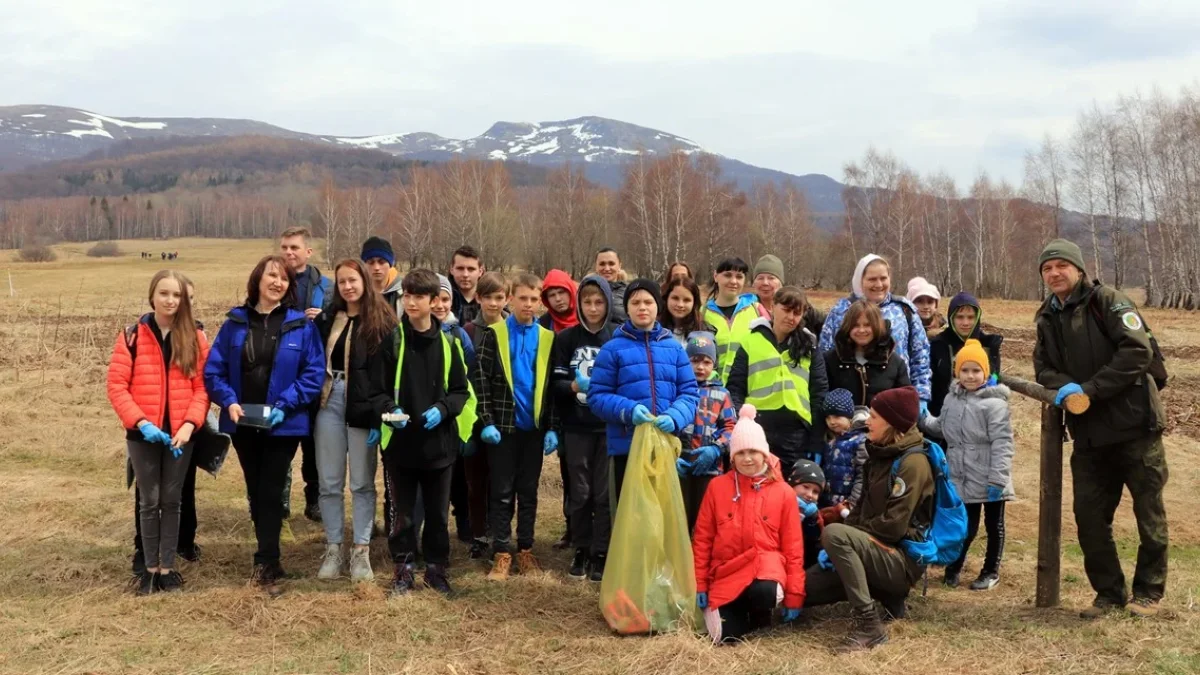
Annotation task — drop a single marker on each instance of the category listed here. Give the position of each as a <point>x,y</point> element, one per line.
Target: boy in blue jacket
<point>641,376</point>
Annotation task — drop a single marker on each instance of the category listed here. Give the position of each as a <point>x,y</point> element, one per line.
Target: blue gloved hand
<point>702,600</point>
<point>824,562</point>
<point>816,458</point>
<point>665,424</point>
<point>790,615</point>
<point>176,452</point>
<point>550,443</point>
<point>1066,391</point>
<point>992,381</point>
<point>276,417</point>
<point>582,382</point>
<point>152,434</point>
<point>705,459</point>
<point>807,509</point>
<point>398,425</point>
<point>373,438</point>
<point>683,467</point>
<point>433,417</point>
<point>641,415</point>
<point>995,494</point>
<point>490,435</point>
<point>924,406</point>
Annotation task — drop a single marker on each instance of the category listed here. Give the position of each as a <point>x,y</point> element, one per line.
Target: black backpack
<point>1158,366</point>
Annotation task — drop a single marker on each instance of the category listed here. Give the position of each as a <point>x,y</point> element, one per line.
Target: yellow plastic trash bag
<point>649,581</point>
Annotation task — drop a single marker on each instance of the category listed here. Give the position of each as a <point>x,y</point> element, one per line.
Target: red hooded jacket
<point>748,529</point>
<point>559,322</point>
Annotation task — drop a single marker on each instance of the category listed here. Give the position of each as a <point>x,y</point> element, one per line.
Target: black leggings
<point>266,463</point>
<point>187,513</point>
<point>993,520</point>
<point>750,611</point>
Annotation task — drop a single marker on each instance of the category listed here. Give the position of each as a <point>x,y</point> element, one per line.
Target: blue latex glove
<point>924,406</point>
<point>153,434</point>
<point>582,382</point>
<point>641,415</point>
<point>704,461</point>
<point>433,417</point>
<point>808,509</point>
<point>1066,391</point>
<point>683,467</point>
<point>276,417</point>
<point>398,425</point>
<point>790,615</point>
<point>995,494</point>
<point>550,443</point>
<point>824,562</point>
<point>373,438</point>
<point>992,381</point>
<point>176,452</point>
<point>816,457</point>
<point>490,435</point>
<point>702,600</point>
<point>665,424</point>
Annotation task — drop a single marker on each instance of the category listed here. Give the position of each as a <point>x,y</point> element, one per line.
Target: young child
<point>558,297</point>
<point>575,351</point>
<point>511,379</point>
<point>419,374</point>
<point>705,439</point>
<point>845,450</point>
<point>808,482</point>
<point>977,427</point>
<point>748,547</point>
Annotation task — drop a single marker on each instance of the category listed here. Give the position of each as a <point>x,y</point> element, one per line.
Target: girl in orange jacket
<point>748,545</point>
<point>156,387</point>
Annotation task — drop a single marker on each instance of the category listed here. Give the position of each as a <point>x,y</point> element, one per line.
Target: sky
<point>959,86</point>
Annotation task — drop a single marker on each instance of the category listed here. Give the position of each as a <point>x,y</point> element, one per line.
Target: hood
<point>859,270</point>
<point>994,391</point>
<point>713,382</point>
<point>890,452</point>
<point>657,332</point>
<point>774,473</point>
<point>435,327</point>
<point>561,280</point>
<point>744,300</point>
<point>965,299</point>
<point>394,282</point>
<point>450,322</point>
<point>599,282</point>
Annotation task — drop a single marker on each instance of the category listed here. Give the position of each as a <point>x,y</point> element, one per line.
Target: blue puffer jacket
<point>842,464</point>
<point>909,334</point>
<point>641,367</point>
<point>296,376</point>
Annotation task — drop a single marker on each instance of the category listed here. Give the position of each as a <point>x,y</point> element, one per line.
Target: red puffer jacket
<point>138,387</point>
<point>749,528</point>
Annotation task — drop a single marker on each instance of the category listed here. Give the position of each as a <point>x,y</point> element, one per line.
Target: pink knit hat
<point>748,434</point>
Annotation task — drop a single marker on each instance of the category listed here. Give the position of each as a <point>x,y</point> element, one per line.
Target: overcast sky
<point>802,87</point>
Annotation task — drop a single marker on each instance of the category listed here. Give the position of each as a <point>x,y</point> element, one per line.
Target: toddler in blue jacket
<point>845,450</point>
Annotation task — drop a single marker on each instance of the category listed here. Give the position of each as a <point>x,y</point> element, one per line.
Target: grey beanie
<point>1062,249</point>
<point>768,264</point>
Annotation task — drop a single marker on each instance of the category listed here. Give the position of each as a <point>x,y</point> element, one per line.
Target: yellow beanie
<point>974,352</point>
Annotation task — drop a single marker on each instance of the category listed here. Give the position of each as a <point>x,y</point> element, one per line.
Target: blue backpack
<point>942,541</point>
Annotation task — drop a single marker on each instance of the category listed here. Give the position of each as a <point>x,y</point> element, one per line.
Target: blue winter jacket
<point>842,464</point>
<point>641,367</point>
<point>909,334</point>
<point>296,376</point>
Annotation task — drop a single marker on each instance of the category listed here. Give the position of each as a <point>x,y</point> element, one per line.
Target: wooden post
<point>1049,556</point>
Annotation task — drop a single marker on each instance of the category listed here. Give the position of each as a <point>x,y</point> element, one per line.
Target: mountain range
<point>35,134</point>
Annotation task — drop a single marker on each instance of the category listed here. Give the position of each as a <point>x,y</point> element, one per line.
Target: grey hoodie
<point>979,441</point>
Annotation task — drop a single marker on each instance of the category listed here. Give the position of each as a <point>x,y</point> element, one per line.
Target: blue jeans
<point>336,443</point>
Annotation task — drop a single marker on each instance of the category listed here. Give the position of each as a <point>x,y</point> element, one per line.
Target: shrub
<point>104,249</point>
<point>37,254</point>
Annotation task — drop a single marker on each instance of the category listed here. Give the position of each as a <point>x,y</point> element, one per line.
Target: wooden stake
<point>1049,555</point>
<point>1077,404</point>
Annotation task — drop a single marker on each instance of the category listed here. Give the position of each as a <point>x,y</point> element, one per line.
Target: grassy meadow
<point>65,606</point>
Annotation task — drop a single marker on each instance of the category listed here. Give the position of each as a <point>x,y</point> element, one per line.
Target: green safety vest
<point>772,383</point>
<point>466,419</point>
<point>545,343</point>
<point>730,335</point>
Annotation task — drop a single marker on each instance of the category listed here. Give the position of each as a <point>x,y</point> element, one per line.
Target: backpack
<point>942,541</point>
<point>1158,366</point>
<point>131,334</point>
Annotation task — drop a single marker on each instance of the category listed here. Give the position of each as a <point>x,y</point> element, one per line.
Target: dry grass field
<point>66,538</point>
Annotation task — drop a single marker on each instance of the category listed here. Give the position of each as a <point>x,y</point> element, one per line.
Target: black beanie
<point>378,247</point>
<point>647,285</point>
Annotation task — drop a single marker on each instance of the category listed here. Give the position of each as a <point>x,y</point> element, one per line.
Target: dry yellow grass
<point>65,542</point>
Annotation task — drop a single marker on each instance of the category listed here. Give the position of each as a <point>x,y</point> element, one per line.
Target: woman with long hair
<point>156,387</point>
<point>267,356</point>
<point>730,310</point>
<point>675,270</point>
<point>683,309</point>
<point>352,327</point>
<point>864,359</point>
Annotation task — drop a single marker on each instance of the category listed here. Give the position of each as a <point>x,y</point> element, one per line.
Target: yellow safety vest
<point>466,419</point>
<point>545,343</point>
<point>730,335</point>
<point>772,382</point>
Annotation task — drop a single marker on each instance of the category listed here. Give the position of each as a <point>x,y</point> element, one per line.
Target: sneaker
<point>1101,607</point>
<point>170,582</point>
<point>191,554</point>
<point>868,631</point>
<point>1144,607</point>
<point>501,567</point>
<point>435,578</point>
<point>597,574</point>
<point>986,581</point>
<point>147,583</point>
<point>950,580</point>
<point>331,563</point>
<point>138,563</point>
<point>527,563</point>
<point>563,542</point>
<point>479,549</point>
<point>579,565</point>
<point>360,565</point>
<point>402,580</point>
<point>313,513</point>
<point>286,536</point>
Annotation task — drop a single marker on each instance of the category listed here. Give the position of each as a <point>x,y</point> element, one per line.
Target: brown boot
<point>1101,607</point>
<point>1143,607</point>
<point>868,631</point>
<point>501,566</point>
<point>526,563</point>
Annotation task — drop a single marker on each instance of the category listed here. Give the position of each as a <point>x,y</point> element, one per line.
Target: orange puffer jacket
<point>138,387</point>
<point>748,529</point>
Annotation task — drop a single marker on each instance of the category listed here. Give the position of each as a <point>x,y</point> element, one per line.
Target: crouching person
<point>862,555</point>
<point>748,547</point>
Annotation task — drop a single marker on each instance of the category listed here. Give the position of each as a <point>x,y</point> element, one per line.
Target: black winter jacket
<point>884,369</point>
<point>943,348</point>
<point>358,409</point>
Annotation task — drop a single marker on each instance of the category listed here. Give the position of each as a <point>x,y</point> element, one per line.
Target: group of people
<point>802,468</point>
<point>163,255</point>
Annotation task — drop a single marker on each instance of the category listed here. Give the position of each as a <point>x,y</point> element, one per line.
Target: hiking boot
<point>190,554</point>
<point>402,581</point>
<point>313,513</point>
<point>1144,607</point>
<point>526,563</point>
<point>360,565</point>
<point>331,563</point>
<point>950,580</point>
<point>894,607</point>
<point>1100,608</point>
<point>267,577</point>
<point>563,542</point>
<point>147,583</point>
<point>435,578</point>
<point>138,563</point>
<point>868,631</point>
<point>579,565</point>
<point>501,567</point>
<point>986,581</point>
<point>479,548</point>
<point>597,574</point>
<point>170,582</point>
